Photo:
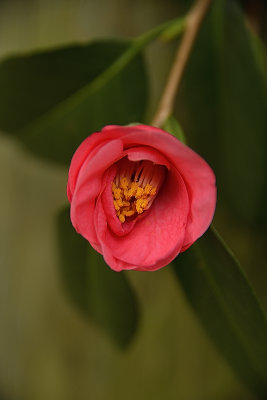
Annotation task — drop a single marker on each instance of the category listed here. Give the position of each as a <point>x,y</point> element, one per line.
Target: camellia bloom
<point>139,196</point>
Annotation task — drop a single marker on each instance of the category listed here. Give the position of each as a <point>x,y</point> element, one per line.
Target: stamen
<point>135,187</point>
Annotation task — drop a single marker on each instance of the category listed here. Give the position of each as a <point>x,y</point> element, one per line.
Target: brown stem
<point>193,21</point>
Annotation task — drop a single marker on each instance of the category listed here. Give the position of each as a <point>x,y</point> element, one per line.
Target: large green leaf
<point>52,100</point>
<point>223,108</point>
<point>227,307</point>
<point>104,296</point>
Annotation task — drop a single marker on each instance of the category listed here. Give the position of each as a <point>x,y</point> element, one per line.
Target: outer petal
<point>156,239</point>
<point>101,222</point>
<point>87,149</point>
<point>198,176</point>
<point>133,154</point>
<point>179,215</point>
<point>89,186</point>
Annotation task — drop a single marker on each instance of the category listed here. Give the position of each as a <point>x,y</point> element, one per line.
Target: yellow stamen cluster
<point>129,198</point>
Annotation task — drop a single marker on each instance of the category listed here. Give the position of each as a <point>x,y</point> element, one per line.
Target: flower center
<point>135,187</point>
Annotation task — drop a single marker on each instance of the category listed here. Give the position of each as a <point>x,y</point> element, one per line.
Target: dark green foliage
<point>227,307</point>
<point>222,106</point>
<point>54,99</point>
<point>103,295</point>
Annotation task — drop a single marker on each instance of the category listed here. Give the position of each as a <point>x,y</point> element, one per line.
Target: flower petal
<point>147,153</point>
<point>197,174</point>
<point>108,205</point>
<point>87,149</point>
<point>180,213</point>
<point>89,186</point>
<point>157,238</point>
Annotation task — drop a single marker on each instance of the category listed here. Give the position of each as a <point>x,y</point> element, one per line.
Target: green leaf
<point>172,126</point>
<point>227,307</point>
<point>174,30</point>
<point>52,100</point>
<point>223,109</point>
<point>104,296</point>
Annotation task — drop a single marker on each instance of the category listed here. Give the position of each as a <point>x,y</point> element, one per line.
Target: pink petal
<point>108,205</point>
<point>156,239</point>
<point>101,222</point>
<point>198,176</point>
<point>89,186</point>
<point>179,215</point>
<point>133,154</point>
<point>87,149</point>
<point>147,153</point>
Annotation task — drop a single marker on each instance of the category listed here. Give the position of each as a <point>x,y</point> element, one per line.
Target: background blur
<point>47,350</point>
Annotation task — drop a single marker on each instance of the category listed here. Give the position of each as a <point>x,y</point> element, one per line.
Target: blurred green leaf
<point>173,31</point>
<point>172,126</point>
<point>227,307</point>
<point>222,106</point>
<point>52,100</point>
<point>100,293</point>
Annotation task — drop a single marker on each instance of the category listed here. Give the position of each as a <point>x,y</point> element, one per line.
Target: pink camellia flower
<point>139,196</point>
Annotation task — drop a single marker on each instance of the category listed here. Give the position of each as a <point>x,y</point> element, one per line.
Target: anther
<point>135,187</point>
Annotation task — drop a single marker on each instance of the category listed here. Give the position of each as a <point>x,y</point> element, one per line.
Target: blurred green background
<point>47,349</point>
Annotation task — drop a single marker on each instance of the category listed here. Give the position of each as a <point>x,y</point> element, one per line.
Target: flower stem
<point>136,47</point>
<point>193,22</point>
